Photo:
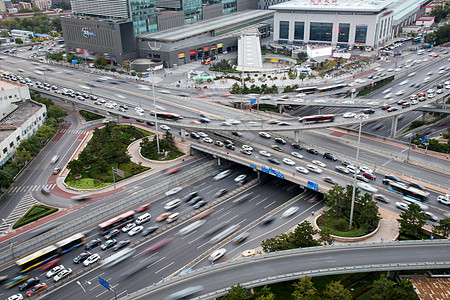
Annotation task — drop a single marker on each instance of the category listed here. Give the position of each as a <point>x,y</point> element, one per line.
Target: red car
<point>143,207</point>
<point>173,170</point>
<point>370,176</point>
<point>36,288</point>
<point>51,264</point>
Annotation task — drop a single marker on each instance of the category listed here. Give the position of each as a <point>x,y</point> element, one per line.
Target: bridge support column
<point>74,107</point>
<point>183,134</point>
<point>280,108</point>
<point>218,161</point>
<point>118,119</point>
<point>391,274</point>
<point>394,126</point>
<point>297,136</point>
<point>424,115</point>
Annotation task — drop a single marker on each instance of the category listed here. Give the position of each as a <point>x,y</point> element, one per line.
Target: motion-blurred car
<point>265,153</point>
<point>93,244</point>
<point>91,259</point>
<point>35,289</point>
<point>143,207</point>
<point>342,169</point>
<point>217,254</point>
<point>319,163</point>
<point>289,161</point>
<point>329,180</point>
<point>121,244</point>
<point>314,169</point>
<point>128,227</point>
<point>296,154</point>
<point>54,271</point>
<point>302,170</point>
<point>221,192</point>
<point>111,234</point>
<point>28,283</point>
<point>108,244</point>
<point>173,191</point>
<point>290,211</point>
<point>380,197</point>
<point>63,274</point>
<point>163,216</point>
<point>135,230</point>
<point>81,257</point>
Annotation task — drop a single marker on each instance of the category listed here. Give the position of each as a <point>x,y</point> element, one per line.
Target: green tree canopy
<point>336,291</point>
<point>442,229</point>
<point>412,220</point>
<point>304,289</point>
<point>237,293</point>
<point>302,236</point>
<point>6,179</point>
<point>57,112</point>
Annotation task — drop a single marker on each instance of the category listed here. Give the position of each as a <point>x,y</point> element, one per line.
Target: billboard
<point>318,51</point>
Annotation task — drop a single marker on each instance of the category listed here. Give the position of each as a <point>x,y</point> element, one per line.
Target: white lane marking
<point>194,240</point>
<point>261,201</point>
<point>218,218</point>
<point>164,267</point>
<point>269,205</point>
<point>155,262</point>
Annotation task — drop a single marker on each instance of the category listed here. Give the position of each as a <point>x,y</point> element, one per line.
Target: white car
<point>414,102</point>
<point>439,91</point>
<point>173,191</point>
<point>217,254</point>
<point>208,140</point>
<point>233,122</point>
<point>314,169</point>
<point>128,227</point>
<point>64,273</point>
<point>302,170</point>
<point>264,135</point>
<point>165,127</point>
<point>140,109</point>
<point>431,216</point>
<point>54,271</point>
<point>349,115</point>
<point>265,153</point>
<point>444,199</point>
<point>342,169</point>
<point>319,163</point>
<point>91,259</point>
<point>109,105</point>
<point>247,147</point>
<point>289,162</point>
<point>290,211</point>
<point>172,204</point>
<point>222,175</point>
<point>402,205</point>
<point>296,154</point>
<point>367,187</point>
<point>172,217</point>
<point>352,169</point>
<point>15,297</point>
<point>135,230</point>
<point>365,169</point>
<point>430,95</point>
<point>399,93</point>
<point>430,91</point>
<point>202,134</point>
<point>362,116</point>
<point>240,178</point>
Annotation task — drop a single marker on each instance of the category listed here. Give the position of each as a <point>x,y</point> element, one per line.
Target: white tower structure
<point>249,50</point>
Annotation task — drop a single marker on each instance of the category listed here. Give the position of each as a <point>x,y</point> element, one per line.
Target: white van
<point>54,159</point>
<point>172,217</point>
<point>144,218</point>
<point>172,204</point>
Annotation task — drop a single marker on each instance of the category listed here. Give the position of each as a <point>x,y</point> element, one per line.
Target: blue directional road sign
<point>104,283</point>
<point>313,186</point>
<point>74,61</point>
<point>424,139</point>
<point>253,101</point>
<point>146,75</point>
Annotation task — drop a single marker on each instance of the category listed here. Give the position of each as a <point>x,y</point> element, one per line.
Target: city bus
<point>165,115</point>
<point>116,222</point>
<point>307,90</point>
<point>331,88</point>
<point>317,119</point>
<point>409,191</point>
<point>417,40</point>
<point>37,258</point>
<point>70,243</point>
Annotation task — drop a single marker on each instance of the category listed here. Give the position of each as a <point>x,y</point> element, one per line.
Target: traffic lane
<point>170,258</point>
<point>335,257</point>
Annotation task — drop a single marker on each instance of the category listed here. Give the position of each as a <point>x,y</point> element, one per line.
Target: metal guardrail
<point>299,251</point>
<point>95,216</point>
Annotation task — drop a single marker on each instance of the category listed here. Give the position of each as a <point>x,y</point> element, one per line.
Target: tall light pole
<point>79,283</point>
<point>154,107</point>
<point>354,177</point>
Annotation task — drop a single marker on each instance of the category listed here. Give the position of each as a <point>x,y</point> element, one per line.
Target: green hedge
<point>90,116</point>
<point>36,212</point>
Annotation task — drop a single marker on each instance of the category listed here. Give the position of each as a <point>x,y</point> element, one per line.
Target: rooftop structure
<point>341,5</point>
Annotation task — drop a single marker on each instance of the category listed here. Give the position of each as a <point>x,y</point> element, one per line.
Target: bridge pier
<point>183,134</point>
<point>391,274</point>
<point>424,115</point>
<point>74,108</point>
<point>394,126</point>
<point>297,136</point>
<point>280,108</point>
<point>118,119</point>
<point>218,161</point>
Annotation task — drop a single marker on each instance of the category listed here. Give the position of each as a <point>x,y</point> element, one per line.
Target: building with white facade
<point>20,117</point>
<point>43,5</point>
<point>343,23</point>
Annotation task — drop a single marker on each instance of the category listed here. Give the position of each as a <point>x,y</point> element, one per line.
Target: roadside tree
<point>304,289</point>
<point>412,220</point>
<point>336,291</point>
<point>442,229</point>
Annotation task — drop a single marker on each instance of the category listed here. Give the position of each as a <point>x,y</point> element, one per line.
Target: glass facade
<point>229,6</point>
<point>361,33</point>
<point>143,15</point>
<point>299,30</point>
<point>192,10</point>
<point>284,30</point>
<point>344,31</point>
<point>321,31</point>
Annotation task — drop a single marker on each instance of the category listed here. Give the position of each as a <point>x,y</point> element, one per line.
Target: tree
<point>235,89</point>
<point>412,220</point>
<point>442,229</point>
<point>21,157</point>
<point>264,294</point>
<point>405,291</point>
<point>303,236</point>
<point>336,291</point>
<point>382,288</point>
<point>6,179</point>
<point>302,76</point>
<point>325,236</point>
<point>19,41</point>
<point>126,64</point>
<point>5,34</point>
<point>304,289</point>
<point>322,74</point>
<point>237,293</point>
<point>57,112</point>
<point>75,166</point>
<point>100,61</point>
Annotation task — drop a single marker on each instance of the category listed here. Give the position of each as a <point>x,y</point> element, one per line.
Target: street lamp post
<point>154,107</point>
<point>354,176</point>
<point>79,283</point>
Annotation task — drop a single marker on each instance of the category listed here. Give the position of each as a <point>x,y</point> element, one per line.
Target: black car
<point>274,161</point>
<point>200,204</point>
<point>149,230</point>
<point>228,142</point>
<point>221,192</point>
<point>195,135</point>
<point>385,107</point>
<point>236,133</point>
<point>392,177</point>
<point>205,120</point>
<point>112,233</point>
<point>267,220</point>
<point>406,104</point>
<point>29,283</point>
<point>120,245</point>
<point>80,258</point>
<point>369,111</point>
<point>330,156</point>
<point>229,146</point>
<point>190,196</point>
<point>417,185</point>
<point>280,140</point>
<point>92,244</point>
<point>195,200</point>
<point>297,146</point>
<point>312,151</point>
<point>150,123</point>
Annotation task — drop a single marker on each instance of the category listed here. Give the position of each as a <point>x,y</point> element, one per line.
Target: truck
<point>54,159</point>
<point>444,199</point>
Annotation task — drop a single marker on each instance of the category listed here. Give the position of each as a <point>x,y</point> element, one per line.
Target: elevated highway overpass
<point>287,265</point>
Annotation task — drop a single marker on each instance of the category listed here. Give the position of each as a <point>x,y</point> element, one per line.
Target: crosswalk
<point>22,207</point>
<point>30,188</point>
<point>72,131</point>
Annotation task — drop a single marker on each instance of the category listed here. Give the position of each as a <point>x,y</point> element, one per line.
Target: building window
<point>5,150</point>
<point>18,138</point>
<point>361,33</point>
<point>344,30</point>
<point>299,30</point>
<point>321,31</point>
<point>11,145</point>
<point>284,30</point>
